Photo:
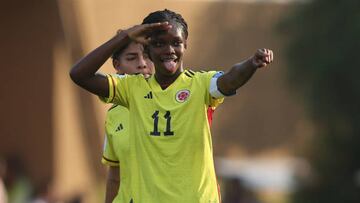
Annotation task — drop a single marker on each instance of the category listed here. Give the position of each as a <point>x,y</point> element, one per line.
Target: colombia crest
<point>182,95</point>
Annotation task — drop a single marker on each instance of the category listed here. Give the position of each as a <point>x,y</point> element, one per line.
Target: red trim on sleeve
<point>210,112</point>
<point>219,192</point>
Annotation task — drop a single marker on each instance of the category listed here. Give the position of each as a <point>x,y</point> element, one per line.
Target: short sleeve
<point>209,99</point>
<point>109,158</point>
<point>118,90</point>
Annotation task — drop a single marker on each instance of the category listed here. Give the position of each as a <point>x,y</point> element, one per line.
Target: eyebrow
<point>161,38</point>
<point>131,54</point>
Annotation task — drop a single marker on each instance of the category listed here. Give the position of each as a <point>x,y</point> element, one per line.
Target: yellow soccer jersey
<point>171,155</point>
<point>116,148</point>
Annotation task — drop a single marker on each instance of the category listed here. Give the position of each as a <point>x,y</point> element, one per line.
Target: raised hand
<point>141,33</point>
<point>262,58</point>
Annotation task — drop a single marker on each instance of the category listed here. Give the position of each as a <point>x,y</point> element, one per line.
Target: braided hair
<point>167,16</point>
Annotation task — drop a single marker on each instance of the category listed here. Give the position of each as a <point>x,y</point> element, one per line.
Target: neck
<point>165,80</point>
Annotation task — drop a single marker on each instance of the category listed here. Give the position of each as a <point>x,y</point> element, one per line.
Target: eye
<point>177,43</point>
<point>157,44</point>
<point>131,58</point>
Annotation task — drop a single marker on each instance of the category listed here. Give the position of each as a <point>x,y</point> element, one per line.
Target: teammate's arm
<point>240,73</point>
<point>83,73</point>
<point>112,184</point>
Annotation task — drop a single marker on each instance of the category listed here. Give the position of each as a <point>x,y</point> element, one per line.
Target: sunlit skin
<point>166,41</point>
<point>133,60</point>
<point>166,45</point>
<point>166,50</point>
<point>84,72</point>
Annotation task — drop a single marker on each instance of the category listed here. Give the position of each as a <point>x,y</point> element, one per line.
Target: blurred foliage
<point>323,68</point>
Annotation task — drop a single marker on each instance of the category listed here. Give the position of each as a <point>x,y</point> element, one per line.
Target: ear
<point>185,44</point>
<point>116,64</point>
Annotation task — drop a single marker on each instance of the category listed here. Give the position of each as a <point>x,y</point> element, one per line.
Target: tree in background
<point>324,66</point>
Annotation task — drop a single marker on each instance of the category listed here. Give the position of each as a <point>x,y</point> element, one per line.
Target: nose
<point>143,67</point>
<point>169,49</point>
<point>142,63</point>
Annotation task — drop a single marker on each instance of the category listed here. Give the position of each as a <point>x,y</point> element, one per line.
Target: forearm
<point>112,188</point>
<point>238,75</point>
<point>112,184</point>
<point>84,71</point>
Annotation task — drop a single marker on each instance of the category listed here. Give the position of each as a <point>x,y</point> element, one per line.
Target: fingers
<point>141,33</point>
<point>259,63</point>
<point>157,25</point>
<point>263,57</point>
<point>142,40</point>
<point>145,41</point>
<point>269,55</point>
<point>148,28</point>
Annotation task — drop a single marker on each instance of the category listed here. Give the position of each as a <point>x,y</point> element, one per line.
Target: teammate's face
<point>166,50</point>
<point>133,60</point>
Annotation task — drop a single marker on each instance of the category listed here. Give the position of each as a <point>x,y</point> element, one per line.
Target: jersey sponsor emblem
<point>120,127</point>
<point>149,95</point>
<point>182,95</point>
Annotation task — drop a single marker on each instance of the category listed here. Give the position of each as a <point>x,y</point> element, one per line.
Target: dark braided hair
<point>169,16</point>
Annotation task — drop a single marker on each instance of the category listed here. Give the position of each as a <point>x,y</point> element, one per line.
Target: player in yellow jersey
<point>130,59</point>
<point>171,156</point>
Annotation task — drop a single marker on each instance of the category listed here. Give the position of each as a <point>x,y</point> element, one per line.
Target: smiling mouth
<point>169,59</point>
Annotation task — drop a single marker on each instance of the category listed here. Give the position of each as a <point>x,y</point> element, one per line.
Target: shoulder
<point>112,107</point>
<point>116,108</point>
<point>116,111</point>
<point>202,74</point>
<point>115,115</point>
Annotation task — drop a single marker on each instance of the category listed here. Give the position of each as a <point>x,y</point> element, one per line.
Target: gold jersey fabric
<point>116,148</point>
<point>171,155</point>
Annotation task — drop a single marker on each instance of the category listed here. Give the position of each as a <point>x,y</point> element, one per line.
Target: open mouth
<point>170,63</point>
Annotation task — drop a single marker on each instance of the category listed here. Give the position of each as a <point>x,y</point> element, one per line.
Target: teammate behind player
<point>129,59</point>
<point>171,155</point>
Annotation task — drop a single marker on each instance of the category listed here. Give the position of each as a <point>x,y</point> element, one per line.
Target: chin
<point>169,73</point>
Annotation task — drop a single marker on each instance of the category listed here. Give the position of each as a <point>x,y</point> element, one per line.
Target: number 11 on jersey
<point>167,131</point>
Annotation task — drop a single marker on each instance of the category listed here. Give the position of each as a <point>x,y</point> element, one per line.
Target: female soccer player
<point>170,142</point>
<point>130,59</point>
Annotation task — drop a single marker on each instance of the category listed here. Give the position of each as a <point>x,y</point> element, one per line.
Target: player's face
<point>133,60</point>
<point>167,49</point>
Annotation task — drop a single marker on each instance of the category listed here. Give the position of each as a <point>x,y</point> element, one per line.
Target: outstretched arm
<point>83,73</point>
<point>240,73</point>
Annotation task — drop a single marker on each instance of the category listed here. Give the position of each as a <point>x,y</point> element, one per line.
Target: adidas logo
<point>149,95</point>
<point>120,127</point>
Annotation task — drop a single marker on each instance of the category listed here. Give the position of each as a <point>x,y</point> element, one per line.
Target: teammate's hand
<point>262,58</point>
<point>141,33</point>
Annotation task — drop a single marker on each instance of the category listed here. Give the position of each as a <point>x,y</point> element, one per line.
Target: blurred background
<point>290,135</point>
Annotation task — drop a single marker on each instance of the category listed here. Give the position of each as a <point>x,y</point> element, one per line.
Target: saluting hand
<point>141,33</point>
